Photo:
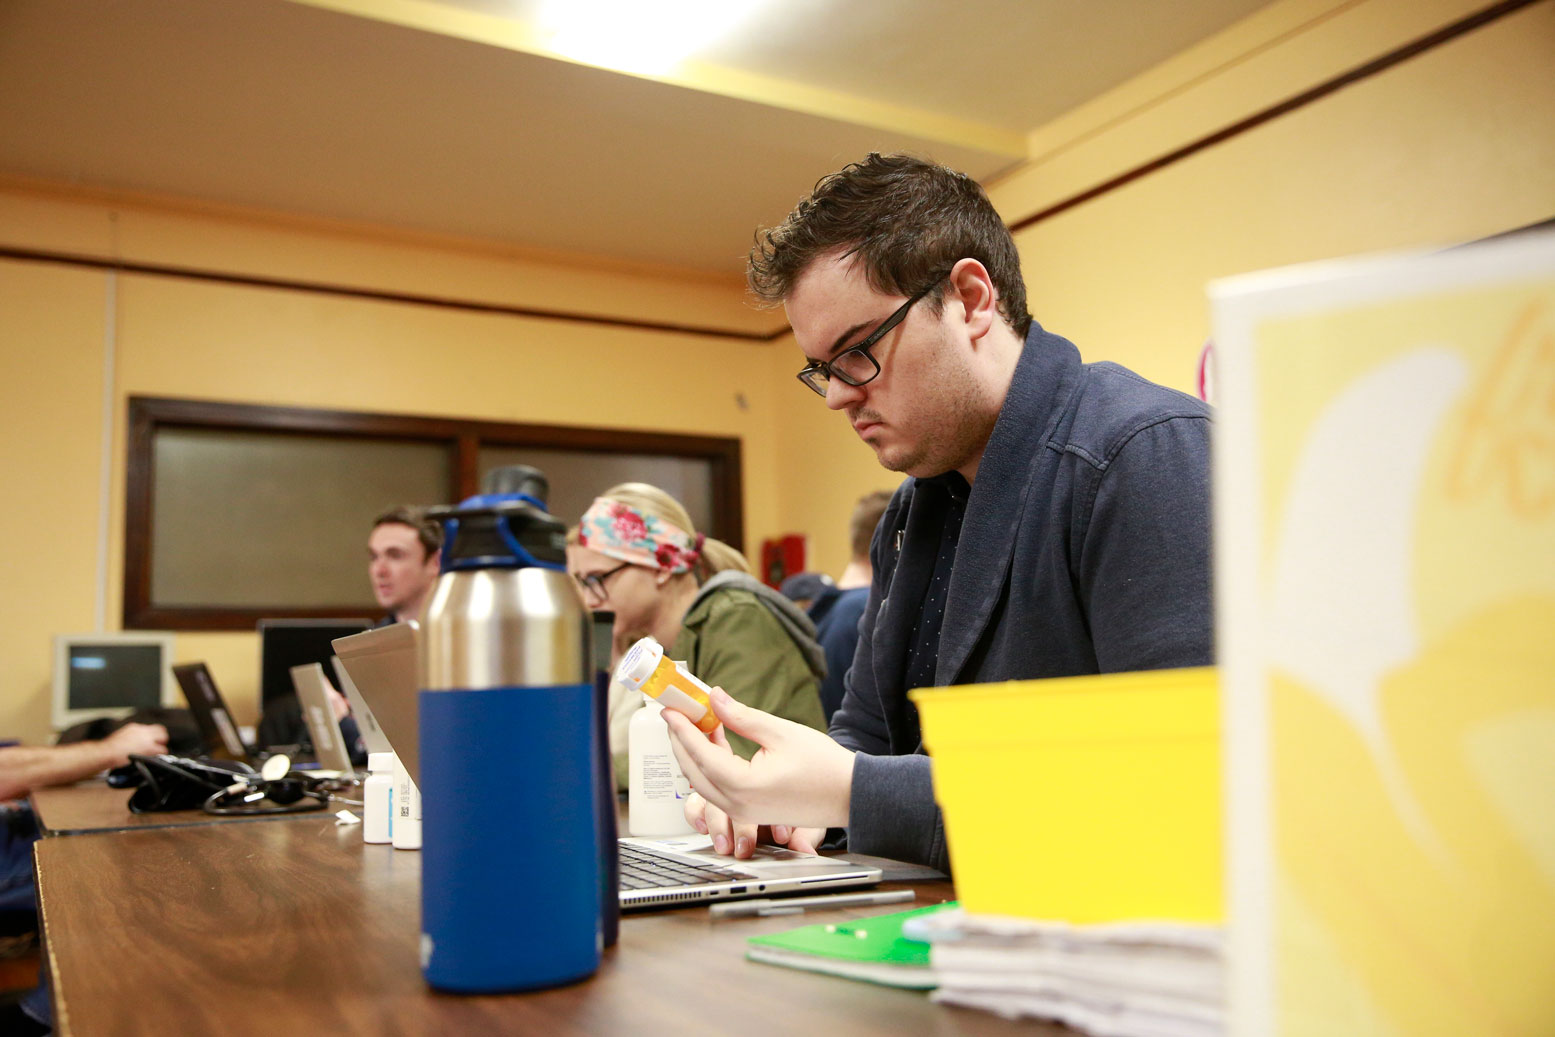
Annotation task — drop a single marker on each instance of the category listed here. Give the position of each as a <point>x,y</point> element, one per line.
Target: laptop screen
<point>284,643</point>
<point>209,710</point>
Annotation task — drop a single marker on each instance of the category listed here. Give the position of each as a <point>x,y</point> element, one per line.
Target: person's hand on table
<point>141,739</point>
<point>799,775</point>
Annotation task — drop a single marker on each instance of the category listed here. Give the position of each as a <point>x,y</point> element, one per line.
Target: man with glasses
<point>1055,522</point>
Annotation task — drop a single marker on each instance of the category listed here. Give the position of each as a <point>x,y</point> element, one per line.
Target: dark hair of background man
<point>866,516</point>
<point>428,532</point>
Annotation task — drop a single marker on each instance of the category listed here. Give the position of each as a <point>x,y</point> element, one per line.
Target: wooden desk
<point>92,806</point>
<point>300,928</point>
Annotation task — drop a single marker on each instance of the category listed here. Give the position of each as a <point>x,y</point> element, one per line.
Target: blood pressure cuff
<point>174,783</point>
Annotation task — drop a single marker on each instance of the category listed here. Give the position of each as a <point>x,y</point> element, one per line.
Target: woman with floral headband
<point>636,554</point>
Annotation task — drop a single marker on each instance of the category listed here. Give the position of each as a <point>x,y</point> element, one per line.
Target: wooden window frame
<point>462,438</point>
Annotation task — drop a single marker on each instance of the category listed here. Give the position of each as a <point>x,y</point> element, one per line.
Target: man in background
<point>837,615</point>
<point>403,556</point>
<point>810,591</point>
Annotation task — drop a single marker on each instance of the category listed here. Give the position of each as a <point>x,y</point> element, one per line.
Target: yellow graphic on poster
<point>1406,575</point>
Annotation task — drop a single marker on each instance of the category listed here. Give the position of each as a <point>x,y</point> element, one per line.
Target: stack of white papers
<point>1121,979</point>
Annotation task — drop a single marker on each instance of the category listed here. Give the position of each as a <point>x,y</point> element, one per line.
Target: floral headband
<point>617,530</point>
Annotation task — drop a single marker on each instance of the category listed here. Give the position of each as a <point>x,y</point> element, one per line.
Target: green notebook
<point>871,949</point>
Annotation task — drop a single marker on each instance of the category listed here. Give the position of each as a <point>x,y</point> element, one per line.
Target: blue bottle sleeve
<point>510,869</point>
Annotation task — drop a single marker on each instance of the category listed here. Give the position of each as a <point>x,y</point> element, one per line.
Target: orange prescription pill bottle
<point>647,669</point>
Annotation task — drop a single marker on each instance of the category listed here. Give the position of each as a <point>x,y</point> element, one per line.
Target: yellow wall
<point>179,337</point>
<point>51,340</point>
<point>1454,144</point>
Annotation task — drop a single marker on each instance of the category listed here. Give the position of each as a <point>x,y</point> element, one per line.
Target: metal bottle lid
<point>505,527</point>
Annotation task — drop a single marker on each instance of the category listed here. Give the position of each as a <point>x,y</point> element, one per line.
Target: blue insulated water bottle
<point>510,895</point>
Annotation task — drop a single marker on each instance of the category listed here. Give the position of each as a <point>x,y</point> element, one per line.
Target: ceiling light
<point>649,37</point>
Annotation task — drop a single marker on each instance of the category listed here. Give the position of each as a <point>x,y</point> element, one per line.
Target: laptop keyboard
<point>641,869</point>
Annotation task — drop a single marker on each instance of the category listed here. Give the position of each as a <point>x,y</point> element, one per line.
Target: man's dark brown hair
<point>428,532</point>
<point>866,516</point>
<point>907,220</point>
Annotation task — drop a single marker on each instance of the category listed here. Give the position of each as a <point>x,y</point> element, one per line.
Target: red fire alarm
<point>781,557</point>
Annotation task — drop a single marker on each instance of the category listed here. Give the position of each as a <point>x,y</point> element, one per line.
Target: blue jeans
<point>19,894</point>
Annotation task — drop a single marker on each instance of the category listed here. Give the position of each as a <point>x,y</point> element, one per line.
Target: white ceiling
<point>450,116</point>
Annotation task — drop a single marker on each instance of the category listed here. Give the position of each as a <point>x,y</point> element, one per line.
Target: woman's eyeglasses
<point>593,584</point>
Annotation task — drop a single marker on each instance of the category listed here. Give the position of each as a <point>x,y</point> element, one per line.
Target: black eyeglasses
<point>856,365</point>
<point>594,583</point>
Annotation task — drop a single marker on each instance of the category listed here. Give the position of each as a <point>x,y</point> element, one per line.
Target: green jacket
<point>746,638</point>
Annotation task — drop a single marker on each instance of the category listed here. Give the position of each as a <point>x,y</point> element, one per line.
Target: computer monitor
<point>111,675</point>
<point>284,643</point>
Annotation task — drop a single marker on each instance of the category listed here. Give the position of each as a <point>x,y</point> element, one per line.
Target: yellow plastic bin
<point>1084,799</point>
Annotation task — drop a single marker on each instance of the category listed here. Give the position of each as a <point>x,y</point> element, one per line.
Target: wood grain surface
<point>300,928</point>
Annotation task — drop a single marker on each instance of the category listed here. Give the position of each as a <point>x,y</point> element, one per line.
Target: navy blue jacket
<point>1085,549</point>
<point>836,630</point>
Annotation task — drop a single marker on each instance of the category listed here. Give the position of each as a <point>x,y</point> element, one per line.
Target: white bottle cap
<point>380,763</point>
<point>640,662</point>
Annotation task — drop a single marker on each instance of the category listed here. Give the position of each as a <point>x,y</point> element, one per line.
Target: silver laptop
<point>654,872</point>
<point>687,870</point>
<point>382,665</point>
<point>372,735</point>
<point>313,695</point>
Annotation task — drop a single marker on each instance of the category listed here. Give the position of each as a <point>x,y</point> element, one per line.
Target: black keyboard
<point>641,869</point>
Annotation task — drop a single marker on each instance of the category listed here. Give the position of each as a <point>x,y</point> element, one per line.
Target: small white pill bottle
<point>378,798</point>
<point>407,810</point>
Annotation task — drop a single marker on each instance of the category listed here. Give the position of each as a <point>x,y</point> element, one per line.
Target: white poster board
<point>1385,556</point>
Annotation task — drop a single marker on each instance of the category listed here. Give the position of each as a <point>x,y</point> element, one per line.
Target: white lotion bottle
<point>656,789</point>
<point>407,810</point>
<point>378,798</point>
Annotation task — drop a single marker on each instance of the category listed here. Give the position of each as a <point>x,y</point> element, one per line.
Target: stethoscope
<point>277,789</point>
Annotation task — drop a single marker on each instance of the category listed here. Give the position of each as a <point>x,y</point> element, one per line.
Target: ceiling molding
<point>382,295</point>
<point>515,35</point>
